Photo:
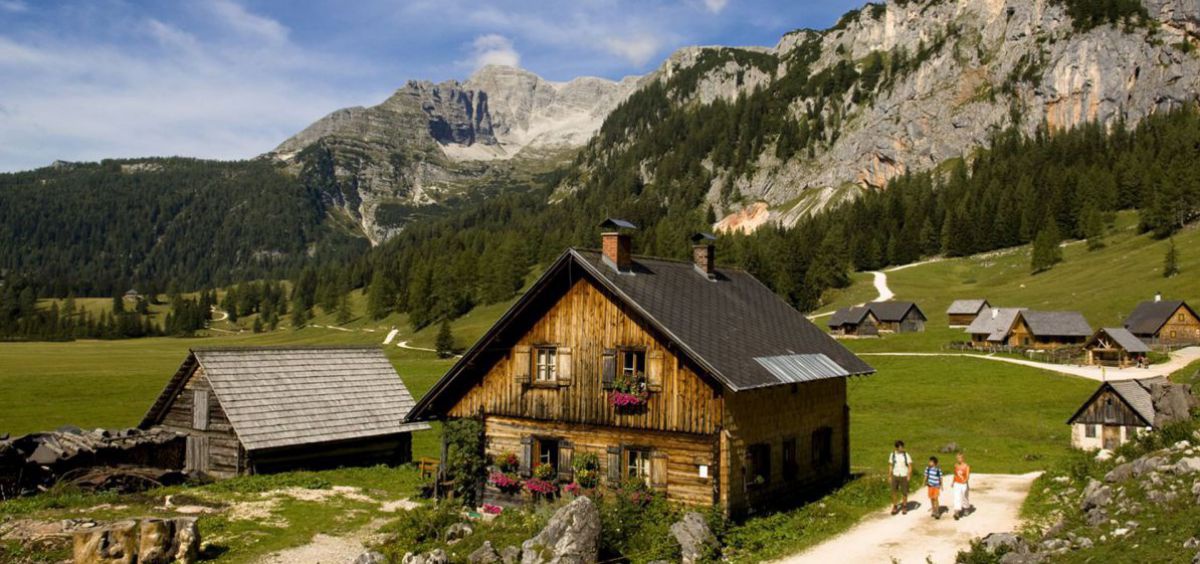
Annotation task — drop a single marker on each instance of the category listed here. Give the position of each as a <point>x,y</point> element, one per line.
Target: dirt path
<point>326,549</point>
<point>1179,359</point>
<point>917,537</point>
<point>881,287</point>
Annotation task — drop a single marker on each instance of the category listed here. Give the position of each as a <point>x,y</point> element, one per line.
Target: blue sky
<point>231,79</point>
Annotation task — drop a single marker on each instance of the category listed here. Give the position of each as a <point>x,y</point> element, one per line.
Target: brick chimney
<point>704,255</point>
<point>618,244</point>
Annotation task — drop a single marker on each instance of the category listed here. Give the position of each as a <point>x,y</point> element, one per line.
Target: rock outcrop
<point>572,536</point>
<point>696,541</point>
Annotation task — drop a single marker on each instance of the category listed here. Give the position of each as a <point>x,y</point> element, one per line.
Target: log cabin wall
<point>1109,409</point>
<point>676,462</point>
<point>222,450</point>
<point>581,325</point>
<point>771,417</point>
<point>1182,327</point>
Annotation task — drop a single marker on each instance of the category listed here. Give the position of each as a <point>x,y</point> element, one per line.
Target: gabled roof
<point>893,311</point>
<point>1122,338</point>
<point>995,323</point>
<point>277,397</point>
<point>1135,393</point>
<point>1148,317</point>
<point>854,315</point>
<point>1056,323</point>
<point>966,307</point>
<point>733,328</point>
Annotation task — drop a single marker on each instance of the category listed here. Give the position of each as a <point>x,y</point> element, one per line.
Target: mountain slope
<point>890,89</point>
<point>428,142</point>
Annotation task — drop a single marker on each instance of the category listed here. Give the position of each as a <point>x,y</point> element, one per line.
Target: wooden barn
<point>1049,329</point>
<point>696,380</point>
<point>260,410</point>
<point>993,327</point>
<point>857,321</point>
<point>1116,413</point>
<point>1114,346</point>
<point>962,312</point>
<point>1168,322</point>
<point>898,316</point>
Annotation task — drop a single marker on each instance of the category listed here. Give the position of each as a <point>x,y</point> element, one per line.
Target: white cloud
<point>494,49</point>
<point>715,6</point>
<point>242,21</point>
<point>638,49</point>
<point>13,6</point>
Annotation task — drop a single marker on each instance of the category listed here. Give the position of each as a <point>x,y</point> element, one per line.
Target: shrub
<point>420,529</point>
<point>465,462</point>
<point>587,469</point>
<point>637,526</point>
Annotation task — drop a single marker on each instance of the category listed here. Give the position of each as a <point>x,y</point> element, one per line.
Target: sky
<point>230,79</point>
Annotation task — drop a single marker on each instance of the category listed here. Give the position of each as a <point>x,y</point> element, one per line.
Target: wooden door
<point>197,455</point>
<point>1111,437</point>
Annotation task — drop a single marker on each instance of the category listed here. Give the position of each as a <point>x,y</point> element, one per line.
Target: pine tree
<point>1171,261</point>
<point>299,313</point>
<point>1046,252</point>
<point>445,340</point>
<point>258,324</point>
<point>344,315</point>
<point>380,295</point>
<point>1093,229</point>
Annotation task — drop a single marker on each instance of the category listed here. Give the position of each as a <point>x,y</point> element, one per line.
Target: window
<point>758,465</point>
<point>822,446</point>
<point>633,363</point>
<point>1179,317</point>
<point>1110,410</point>
<point>790,466</point>
<point>637,463</point>
<point>1173,334</point>
<point>546,452</point>
<point>547,364</point>
<point>1089,431</point>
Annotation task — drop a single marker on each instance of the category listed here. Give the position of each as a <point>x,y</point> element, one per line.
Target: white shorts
<point>961,501</point>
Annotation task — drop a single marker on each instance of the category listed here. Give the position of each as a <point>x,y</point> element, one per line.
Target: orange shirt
<point>962,472</point>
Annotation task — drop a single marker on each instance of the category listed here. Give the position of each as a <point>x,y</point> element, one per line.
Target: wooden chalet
<point>1169,322</point>
<point>898,316</point>
<point>993,327</point>
<point>743,400</point>
<point>1114,346</point>
<point>1115,414</point>
<point>857,321</point>
<point>1024,328</point>
<point>962,312</point>
<point>259,410</point>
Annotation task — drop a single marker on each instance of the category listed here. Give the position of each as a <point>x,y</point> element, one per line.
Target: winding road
<point>1179,359</point>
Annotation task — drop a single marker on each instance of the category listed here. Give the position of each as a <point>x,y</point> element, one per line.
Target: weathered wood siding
<point>1101,412</point>
<point>772,416</point>
<point>224,450</point>
<point>962,319</point>
<point>684,453</point>
<point>587,322</point>
<point>1183,327</point>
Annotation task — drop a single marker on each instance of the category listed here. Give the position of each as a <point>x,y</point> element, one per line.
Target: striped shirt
<point>933,476</point>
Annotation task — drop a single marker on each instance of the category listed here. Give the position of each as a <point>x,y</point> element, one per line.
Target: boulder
<point>1120,473</point>
<point>370,557</point>
<point>510,555</point>
<point>1146,465</point>
<point>696,540</point>
<point>1095,495</point>
<point>457,532</point>
<point>1172,403</point>
<point>572,536</point>
<point>1015,558</point>
<point>1096,516</point>
<point>1007,541</point>
<point>1186,466</point>
<point>485,554</point>
<point>113,544</point>
<point>1191,543</point>
<point>436,556</point>
<point>949,448</point>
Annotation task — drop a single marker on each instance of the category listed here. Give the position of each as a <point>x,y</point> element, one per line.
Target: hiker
<point>962,486</point>
<point>901,467</point>
<point>933,481</point>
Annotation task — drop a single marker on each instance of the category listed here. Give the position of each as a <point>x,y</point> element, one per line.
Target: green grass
<point>1105,285</point>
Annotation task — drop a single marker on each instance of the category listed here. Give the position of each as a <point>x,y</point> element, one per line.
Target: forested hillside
<point>97,229</point>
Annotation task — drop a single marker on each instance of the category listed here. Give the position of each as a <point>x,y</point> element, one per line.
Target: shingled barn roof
<point>966,307</point>
<point>282,397</point>
<point>1148,317</point>
<point>893,311</point>
<point>736,330</point>
<point>994,323</point>
<point>1135,393</point>
<point>853,315</point>
<point>1057,323</point>
<point>1122,338</point>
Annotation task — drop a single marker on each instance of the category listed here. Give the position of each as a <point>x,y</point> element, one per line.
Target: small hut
<point>1114,346</point>
<point>1118,411</point>
<point>962,312</point>
<point>855,321</point>
<point>992,327</point>
<point>260,410</point>
<point>1171,322</point>
<point>898,316</point>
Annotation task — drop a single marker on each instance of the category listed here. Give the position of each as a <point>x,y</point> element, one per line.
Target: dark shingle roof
<point>1123,338</point>
<point>1057,323</point>
<point>277,397</point>
<point>848,316</point>
<point>1135,393</point>
<point>734,328</point>
<point>995,323</point>
<point>1148,317</point>
<point>966,307</point>
<point>893,311</point>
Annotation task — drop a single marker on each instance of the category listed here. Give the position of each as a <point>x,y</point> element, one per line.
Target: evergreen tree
<point>1046,250</point>
<point>299,313</point>
<point>118,305</point>
<point>343,309</point>
<point>380,295</point>
<point>1093,229</point>
<point>258,324</point>
<point>1171,261</point>
<point>445,340</point>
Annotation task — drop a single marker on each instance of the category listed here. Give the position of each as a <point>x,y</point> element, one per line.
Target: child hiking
<point>900,464</point>
<point>962,486</point>
<point>933,481</point>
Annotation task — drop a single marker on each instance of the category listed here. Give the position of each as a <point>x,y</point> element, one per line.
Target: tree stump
<point>113,544</point>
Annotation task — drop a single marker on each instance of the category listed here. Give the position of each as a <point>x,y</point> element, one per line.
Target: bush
<point>637,526</point>
<point>465,462</point>
<point>419,530</point>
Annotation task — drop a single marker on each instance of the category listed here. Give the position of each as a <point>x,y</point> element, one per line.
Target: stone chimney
<point>1158,296</point>
<point>995,312</point>
<point>618,244</point>
<point>704,255</point>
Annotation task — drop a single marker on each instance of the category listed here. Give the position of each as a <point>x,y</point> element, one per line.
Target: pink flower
<point>540,486</point>
<point>504,482</point>
<point>492,509</point>
<point>573,488</point>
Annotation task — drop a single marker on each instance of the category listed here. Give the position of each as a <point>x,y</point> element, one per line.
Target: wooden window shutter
<point>521,363</point>
<point>614,466</point>
<point>200,410</point>
<point>526,455</point>
<point>566,452</point>
<point>654,370</point>
<point>564,366</point>
<point>658,470</point>
<point>608,368</point>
